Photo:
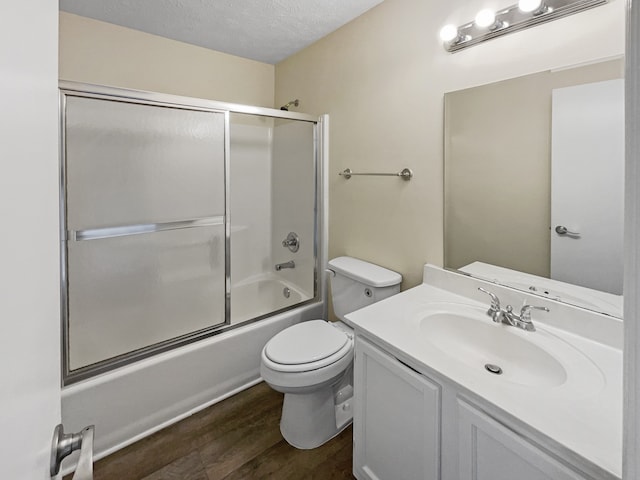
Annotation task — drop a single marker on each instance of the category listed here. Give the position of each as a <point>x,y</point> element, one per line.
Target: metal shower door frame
<point>77,89</point>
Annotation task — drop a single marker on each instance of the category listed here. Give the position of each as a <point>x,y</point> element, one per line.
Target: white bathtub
<point>253,298</point>
<point>135,401</point>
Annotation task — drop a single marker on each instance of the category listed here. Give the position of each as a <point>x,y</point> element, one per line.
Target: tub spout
<point>289,264</point>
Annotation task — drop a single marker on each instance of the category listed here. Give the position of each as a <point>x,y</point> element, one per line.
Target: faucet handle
<point>495,312</point>
<point>495,301</point>
<point>525,312</point>
<point>292,242</point>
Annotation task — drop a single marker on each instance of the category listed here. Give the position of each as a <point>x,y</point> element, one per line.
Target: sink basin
<point>533,359</point>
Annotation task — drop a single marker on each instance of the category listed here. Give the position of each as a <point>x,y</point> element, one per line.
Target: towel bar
<point>405,174</point>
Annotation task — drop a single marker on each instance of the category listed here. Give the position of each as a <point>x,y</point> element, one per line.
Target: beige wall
<point>103,53</point>
<point>498,168</point>
<point>382,79</point>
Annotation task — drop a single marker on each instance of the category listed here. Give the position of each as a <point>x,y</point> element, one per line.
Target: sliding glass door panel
<point>130,292</point>
<point>273,194</point>
<point>294,201</point>
<point>130,164</point>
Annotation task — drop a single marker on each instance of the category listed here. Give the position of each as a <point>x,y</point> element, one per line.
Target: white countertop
<point>587,421</point>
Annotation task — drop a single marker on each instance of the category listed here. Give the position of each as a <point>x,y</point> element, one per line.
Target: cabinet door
<point>490,451</point>
<point>396,419</point>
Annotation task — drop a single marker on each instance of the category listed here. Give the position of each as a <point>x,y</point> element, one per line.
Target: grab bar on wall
<point>405,174</point>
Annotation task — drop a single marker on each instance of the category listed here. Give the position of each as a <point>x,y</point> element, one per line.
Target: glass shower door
<point>273,194</point>
<point>144,242</point>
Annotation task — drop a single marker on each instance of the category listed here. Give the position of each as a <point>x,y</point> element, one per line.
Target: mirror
<point>534,175</point>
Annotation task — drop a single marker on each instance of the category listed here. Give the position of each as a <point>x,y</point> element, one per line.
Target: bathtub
<point>253,297</point>
<point>135,401</point>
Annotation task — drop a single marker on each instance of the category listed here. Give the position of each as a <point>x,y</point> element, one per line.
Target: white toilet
<point>312,362</point>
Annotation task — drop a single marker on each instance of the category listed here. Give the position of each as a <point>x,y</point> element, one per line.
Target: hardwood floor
<point>238,438</point>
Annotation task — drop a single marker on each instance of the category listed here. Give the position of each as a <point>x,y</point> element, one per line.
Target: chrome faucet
<point>521,320</point>
<point>289,264</point>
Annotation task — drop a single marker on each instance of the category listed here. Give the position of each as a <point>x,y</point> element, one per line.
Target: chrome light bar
<point>511,19</point>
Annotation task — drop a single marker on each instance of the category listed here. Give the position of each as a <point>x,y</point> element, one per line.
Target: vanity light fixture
<point>535,7</point>
<point>487,19</point>
<point>450,34</point>
<point>526,13</point>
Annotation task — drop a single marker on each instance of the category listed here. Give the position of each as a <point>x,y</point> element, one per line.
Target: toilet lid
<point>305,343</point>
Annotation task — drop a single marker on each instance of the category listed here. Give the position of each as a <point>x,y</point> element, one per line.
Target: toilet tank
<point>357,283</point>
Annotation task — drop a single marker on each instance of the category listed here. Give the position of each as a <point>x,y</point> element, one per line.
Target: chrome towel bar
<point>405,174</point>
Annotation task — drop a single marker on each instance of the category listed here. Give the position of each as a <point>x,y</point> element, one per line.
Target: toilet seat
<point>306,346</point>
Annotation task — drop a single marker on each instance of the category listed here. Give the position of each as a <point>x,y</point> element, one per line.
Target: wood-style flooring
<point>238,438</point>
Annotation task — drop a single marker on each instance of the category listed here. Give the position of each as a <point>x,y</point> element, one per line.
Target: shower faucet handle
<point>292,242</point>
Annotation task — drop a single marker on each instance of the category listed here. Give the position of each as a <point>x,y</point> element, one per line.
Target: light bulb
<point>485,18</point>
<point>449,33</point>
<point>529,5</point>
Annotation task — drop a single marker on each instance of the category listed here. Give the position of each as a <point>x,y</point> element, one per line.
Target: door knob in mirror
<point>562,230</point>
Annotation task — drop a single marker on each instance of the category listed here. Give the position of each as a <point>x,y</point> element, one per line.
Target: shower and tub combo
<point>191,233</point>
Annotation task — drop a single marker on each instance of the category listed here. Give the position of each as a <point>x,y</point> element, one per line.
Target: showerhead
<point>294,103</point>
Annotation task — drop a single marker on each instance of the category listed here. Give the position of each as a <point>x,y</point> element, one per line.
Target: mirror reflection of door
<point>587,191</point>
<point>498,171</point>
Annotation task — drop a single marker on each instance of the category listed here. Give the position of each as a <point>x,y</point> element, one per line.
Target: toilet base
<point>312,419</point>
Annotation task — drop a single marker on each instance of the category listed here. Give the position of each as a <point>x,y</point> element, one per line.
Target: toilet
<point>312,362</point>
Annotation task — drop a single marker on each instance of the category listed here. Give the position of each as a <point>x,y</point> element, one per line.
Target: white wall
<point>382,78</point>
<point>29,343</point>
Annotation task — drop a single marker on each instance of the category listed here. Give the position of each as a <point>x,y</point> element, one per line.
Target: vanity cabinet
<point>396,419</point>
<point>410,426</point>
<point>490,451</point>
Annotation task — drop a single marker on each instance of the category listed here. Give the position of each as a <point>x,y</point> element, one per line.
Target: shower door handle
<point>64,444</point>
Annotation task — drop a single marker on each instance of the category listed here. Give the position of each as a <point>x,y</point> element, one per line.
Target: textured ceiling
<point>264,30</point>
